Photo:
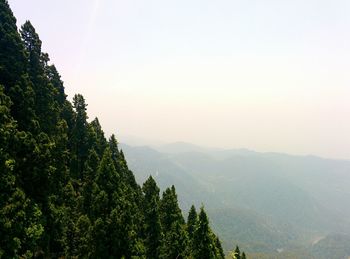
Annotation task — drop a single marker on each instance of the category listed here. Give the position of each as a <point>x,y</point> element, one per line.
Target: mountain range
<point>272,205</point>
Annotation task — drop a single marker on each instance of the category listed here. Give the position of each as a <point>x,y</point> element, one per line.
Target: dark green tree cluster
<point>236,254</point>
<point>203,242</point>
<point>65,190</point>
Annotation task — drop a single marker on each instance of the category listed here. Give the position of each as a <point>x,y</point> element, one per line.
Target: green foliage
<point>175,238</point>
<point>202,244</point>
<point>237,253</point>
<point>192,221</point>
<point>218,247</point>
<point>65,191</point>
<point>205,244</point>
<point>153,229</point>
<point>12,55</point>
<point>20,226</point>
<point>79,136</point>
<point>169,207</point>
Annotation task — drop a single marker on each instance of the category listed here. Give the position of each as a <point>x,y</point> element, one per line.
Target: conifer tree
<point>202,242</point>
<point>32,45</point>
<point>90,171</point>
<point>46,109</point>
<point>12,54</point>
<point>58,87</point>
<point>237,253</point>
<point>192,220</point>
<point>79,141</point>
<point>20,221</point>
<point>96,138</point>
<point>13,75</point>
<point>170,211</point>
<point>175,242</point>
<point>219,251</point>
<point>153,230</point>
<point>173,226</point>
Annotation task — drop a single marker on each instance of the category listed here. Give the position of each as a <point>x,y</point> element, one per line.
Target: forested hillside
<point>65,190</point>
<point>272,205</point>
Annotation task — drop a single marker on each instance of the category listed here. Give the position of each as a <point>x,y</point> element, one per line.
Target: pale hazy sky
<point>267,75</point>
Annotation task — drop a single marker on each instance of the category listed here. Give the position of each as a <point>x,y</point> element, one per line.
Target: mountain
<point>265,202</point>
<point>332,246</point>
<point>145,161</point>
<point>182,147</point>
<point>65,189</point>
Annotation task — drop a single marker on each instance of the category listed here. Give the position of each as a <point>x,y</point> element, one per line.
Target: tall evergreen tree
<point>12,54</point>
<point>173,226</point>
<point>237,253</point>
<point>46,108</point>
<point>170,211</point>
<point>202,242</point>
<point>96,137</point>
<point>79,138</point>
<point>219,251</point>
<point>13,64</point>
<point>58,87</point>
<point>192,221</point>
<point>20,220</point>
<point>153,230</point>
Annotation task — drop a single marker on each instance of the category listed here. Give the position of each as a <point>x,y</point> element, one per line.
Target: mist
<point>269,76</point>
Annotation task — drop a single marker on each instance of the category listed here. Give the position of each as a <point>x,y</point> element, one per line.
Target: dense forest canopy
<point>65,190</point>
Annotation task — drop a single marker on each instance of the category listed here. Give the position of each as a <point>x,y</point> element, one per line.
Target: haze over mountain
<point>266,202</point>
<point>271,75</point>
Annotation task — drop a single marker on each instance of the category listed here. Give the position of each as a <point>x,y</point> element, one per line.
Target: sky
<point>271,76</point>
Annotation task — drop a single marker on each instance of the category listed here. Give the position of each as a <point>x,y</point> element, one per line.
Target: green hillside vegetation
<point>272,205</point>
<point>65,190</point>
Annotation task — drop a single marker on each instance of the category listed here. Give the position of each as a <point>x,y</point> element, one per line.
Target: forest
<point>65,189</point>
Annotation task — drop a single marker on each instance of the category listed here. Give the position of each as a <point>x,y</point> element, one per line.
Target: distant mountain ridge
<point>263,201</point>
<point>183,147</point>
